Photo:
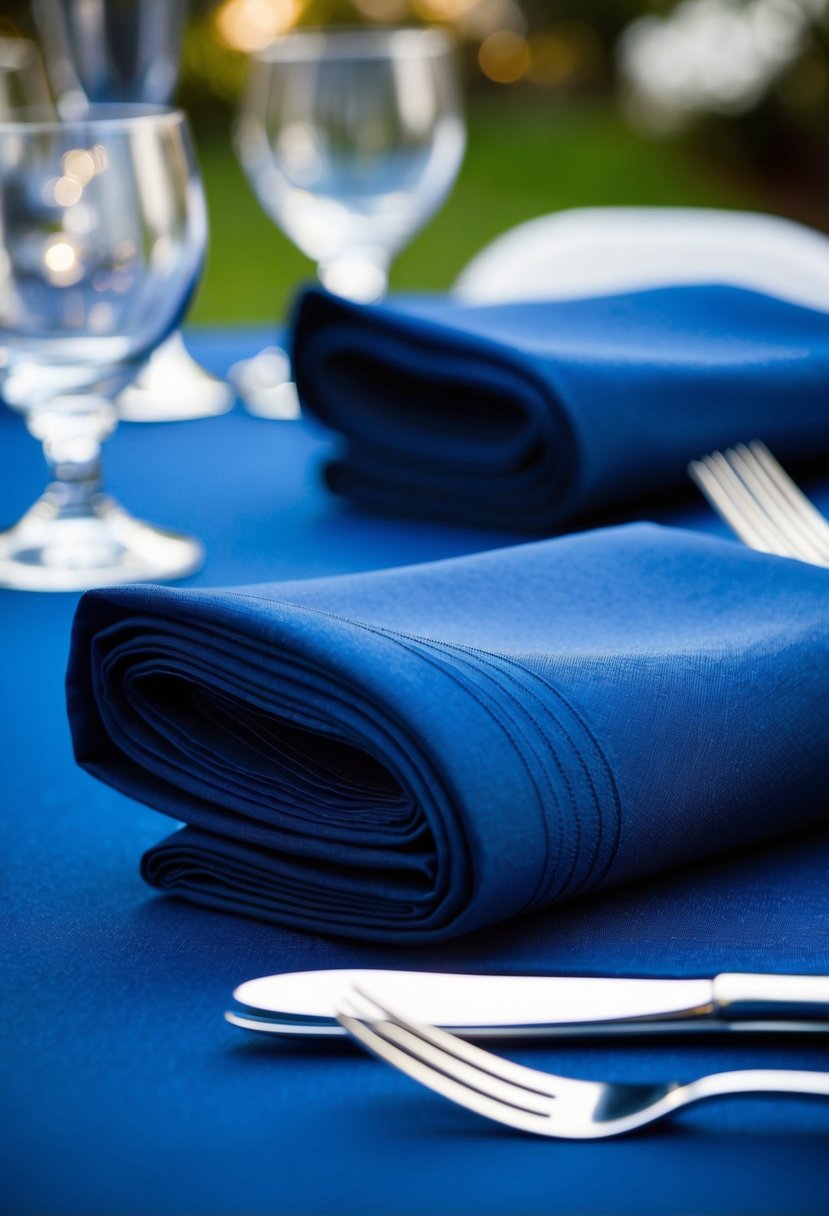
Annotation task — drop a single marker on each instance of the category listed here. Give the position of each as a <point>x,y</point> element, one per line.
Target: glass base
<point>55,549</point>
<point>264,384</point>
<point>173,388</point>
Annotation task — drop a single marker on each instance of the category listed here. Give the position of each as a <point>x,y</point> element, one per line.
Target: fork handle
<point>755,1081</point>
<point>743,995</point>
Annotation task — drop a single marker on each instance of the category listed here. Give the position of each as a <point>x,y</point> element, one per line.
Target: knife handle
<point>743,995</point>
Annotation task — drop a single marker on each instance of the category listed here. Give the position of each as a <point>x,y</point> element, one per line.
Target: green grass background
<point>521,162</point>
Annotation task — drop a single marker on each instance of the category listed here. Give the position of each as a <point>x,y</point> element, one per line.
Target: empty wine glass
<point>351,139</point>
<point>105,51</point>
<point>103,231</point>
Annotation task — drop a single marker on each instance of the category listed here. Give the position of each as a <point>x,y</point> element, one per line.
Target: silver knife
<point>304,1003</point>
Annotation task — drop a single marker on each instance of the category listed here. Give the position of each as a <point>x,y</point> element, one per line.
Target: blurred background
<point>570,103</point>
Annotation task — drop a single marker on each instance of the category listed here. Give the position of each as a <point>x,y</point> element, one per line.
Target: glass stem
<point>72,430</point>
<point>362,276</point>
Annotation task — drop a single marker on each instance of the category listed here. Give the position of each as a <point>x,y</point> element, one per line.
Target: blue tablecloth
<point>122,1088</point>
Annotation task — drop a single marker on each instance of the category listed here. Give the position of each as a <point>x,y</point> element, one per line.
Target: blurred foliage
<point>570,42</point>
<point>568,53</point>
<point>568,48</point>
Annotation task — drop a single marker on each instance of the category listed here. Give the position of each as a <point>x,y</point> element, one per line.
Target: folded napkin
<point>409,754</point>
<point>525,415</point>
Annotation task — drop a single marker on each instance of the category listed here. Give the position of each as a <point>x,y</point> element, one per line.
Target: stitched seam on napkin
<point>588,776</point>
<point>538,753</point>
<point>557,725</point>
<point>400,639</point>
<point>416,648</point>
<point>590,873</point>
<point>490,658</point>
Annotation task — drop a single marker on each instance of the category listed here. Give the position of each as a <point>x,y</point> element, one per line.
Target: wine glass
<point>103,231</point>
<point>104,51</point>
<point>351,139</point>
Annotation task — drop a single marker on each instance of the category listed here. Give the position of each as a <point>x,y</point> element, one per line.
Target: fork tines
<point>760,502</point>
<point>489,1085</point>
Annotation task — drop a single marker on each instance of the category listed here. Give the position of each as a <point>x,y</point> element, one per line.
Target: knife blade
<point>304,1002</point>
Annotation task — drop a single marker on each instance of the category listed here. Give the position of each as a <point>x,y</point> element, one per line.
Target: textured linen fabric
<point>123,1090</point>
<point>414,753</point>
<point>530,414</point>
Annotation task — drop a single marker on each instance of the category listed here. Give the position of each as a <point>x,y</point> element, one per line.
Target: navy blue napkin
<point>409,754</point>
<point>528,415</point>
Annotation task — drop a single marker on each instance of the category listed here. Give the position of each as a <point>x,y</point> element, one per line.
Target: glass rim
<point>353,42</point>
<point>42,120</point>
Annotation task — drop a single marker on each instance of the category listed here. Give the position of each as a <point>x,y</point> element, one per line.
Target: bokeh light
<point>718,56</point>
<point>249,25</point>
<point>504,56</point>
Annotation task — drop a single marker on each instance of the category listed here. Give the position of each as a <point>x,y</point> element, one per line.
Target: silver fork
<point>749,489</point>
<point>541,1102</point>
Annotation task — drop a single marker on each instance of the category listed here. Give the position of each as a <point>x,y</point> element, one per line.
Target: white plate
<point>606,250</point>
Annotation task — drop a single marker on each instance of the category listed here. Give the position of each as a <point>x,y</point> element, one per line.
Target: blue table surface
<point>123,1090</point>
